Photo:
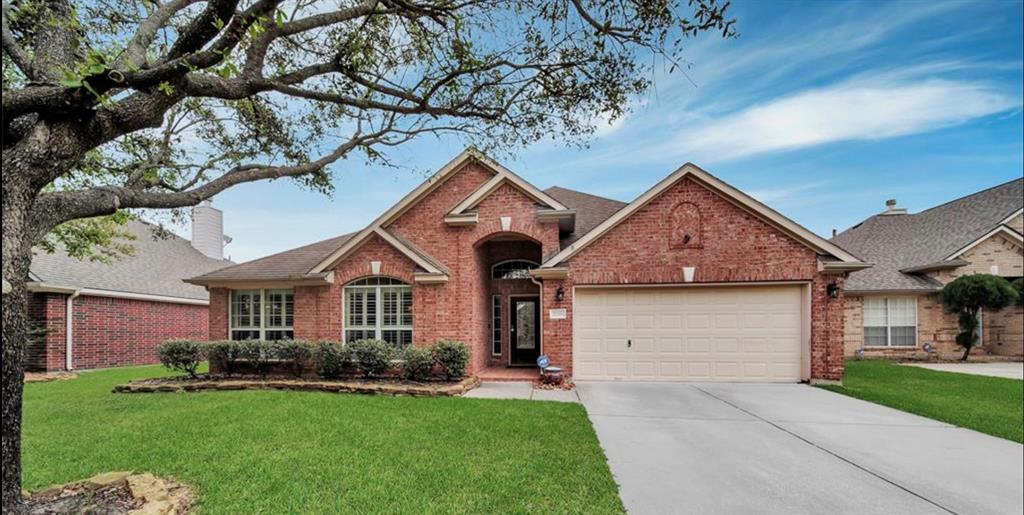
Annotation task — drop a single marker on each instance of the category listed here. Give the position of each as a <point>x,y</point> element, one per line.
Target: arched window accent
<point>687,232</point>
<point>512,269</point>
<point>380,308</point>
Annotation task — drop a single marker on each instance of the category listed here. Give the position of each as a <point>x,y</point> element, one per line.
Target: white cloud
<point>853,110</point>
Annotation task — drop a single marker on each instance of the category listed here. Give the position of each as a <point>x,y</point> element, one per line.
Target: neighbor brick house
<point>693,280</point>
<point>893,308</point>
<point>93,314</point>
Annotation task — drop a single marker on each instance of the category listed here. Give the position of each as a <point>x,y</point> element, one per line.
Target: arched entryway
<point>511,299</point>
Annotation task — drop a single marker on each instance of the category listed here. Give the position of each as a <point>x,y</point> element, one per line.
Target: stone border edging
<point>449,390</point>
<point>159,496</point>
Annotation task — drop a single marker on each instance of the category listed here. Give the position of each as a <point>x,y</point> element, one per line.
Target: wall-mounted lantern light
<point>833,290</point>
<point>560,294</point>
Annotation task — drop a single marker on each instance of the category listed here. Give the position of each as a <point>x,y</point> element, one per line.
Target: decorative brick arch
<point>687,230</point>
<point>489,230</point>
<point>393,263</point>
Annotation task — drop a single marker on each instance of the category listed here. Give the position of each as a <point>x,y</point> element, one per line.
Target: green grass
<point>991,405</point>
<point>311,452</point>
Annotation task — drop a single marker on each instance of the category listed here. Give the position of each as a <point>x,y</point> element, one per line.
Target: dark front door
<point>525,330</point>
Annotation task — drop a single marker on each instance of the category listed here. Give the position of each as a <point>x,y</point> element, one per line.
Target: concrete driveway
<point>732,448</point>
<point>1007,369</point>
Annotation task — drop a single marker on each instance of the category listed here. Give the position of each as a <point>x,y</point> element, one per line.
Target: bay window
<point>261,314</point>
<point>890,321</point>
<point>379,308</point>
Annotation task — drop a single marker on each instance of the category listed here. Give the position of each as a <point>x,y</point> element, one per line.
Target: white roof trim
<point>1013,215</point>
<point>730,193</point>
<point>42,287</point>
<point>408,201</point>
<point>1014,236</point>
<point>354,243</point>
<point>504,176</point>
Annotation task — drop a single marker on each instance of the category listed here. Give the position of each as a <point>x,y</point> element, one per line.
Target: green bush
<point>222,355</point>
<point>372,357</point>
<point>418,363</point>
<point>967,295</point>
<point>297,355</point>
<point>1018,284</point>
<point>255,352</point>
<point>452,357</point>
<point>332,359</point>
<point>181,355</point>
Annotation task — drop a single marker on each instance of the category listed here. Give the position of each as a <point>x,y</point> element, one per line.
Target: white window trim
<point>262,328</point>
<point>496,328</point>
<point>379,327</point>
<point>888,327</point>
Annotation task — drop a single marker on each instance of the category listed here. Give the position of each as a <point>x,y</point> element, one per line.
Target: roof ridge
<point>969,195</point>
<point>585,193</point>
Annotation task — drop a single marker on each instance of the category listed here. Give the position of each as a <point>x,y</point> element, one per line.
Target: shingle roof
<point>591,210</point>
<point>283,265</point>
<point>159,263</point>
<point>896,242</point>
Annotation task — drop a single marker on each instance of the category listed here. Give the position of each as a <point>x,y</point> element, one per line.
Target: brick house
<point>893,308</point>
<point>693,280</point>
<point>89,314</point>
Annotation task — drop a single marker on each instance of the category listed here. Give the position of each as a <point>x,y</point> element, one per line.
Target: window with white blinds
<point>379,308</point>
<point>261,315</point>
<point>890,321</point>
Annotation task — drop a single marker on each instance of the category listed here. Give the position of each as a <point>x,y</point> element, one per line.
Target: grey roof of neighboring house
<point>158,265</point>
<point>590,211</point>
<point>896,242</point>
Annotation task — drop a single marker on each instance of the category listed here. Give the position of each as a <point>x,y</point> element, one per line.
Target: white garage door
<point>688,334</point>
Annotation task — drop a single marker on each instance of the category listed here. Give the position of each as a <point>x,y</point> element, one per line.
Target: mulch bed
<point>111,493</point>
<point>565,385</point>
<point>382,386</point>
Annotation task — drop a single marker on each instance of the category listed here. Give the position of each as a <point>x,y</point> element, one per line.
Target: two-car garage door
<point>750,333</point>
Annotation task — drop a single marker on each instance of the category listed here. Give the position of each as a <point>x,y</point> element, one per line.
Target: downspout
<point>69,362</point>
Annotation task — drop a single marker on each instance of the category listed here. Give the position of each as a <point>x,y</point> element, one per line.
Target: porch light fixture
<point>833,290</point>
<point>560,294</point>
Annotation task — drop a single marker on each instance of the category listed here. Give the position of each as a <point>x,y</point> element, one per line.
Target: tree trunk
<point>17,255</point>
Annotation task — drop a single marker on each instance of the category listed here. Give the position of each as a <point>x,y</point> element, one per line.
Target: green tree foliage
<point>967,295</point>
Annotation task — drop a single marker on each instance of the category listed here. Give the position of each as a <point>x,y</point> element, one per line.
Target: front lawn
<point>991,405</point>
<point>312,452</point>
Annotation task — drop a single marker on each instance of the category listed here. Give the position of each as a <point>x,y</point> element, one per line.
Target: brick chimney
<point>208,230</point>
<point>892,209</point>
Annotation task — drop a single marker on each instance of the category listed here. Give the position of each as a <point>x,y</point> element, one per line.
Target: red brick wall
<point>735,246</point>
<point>45,349</point>
<point>111,332</point>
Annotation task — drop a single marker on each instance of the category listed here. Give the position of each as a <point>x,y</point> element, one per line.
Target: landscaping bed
<point>381,386</point>
<point>111,493</point>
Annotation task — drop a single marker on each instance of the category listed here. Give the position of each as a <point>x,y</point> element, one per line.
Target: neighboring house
<point>693,280</point>
<point>90,314</point>
<point>893,307</point>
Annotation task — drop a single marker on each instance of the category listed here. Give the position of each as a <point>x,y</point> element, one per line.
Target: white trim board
<point>1002,229</point>
<point>728,192</point>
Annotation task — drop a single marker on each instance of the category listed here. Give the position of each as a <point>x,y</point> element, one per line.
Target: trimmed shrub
<point>418,363</point>
<point>297,355</point>
<point>255,352</point>
<point>181,355</point>
<point>332,360</point>
<point>222,355</point>
<point>372,357</point>
<point>452,357</point>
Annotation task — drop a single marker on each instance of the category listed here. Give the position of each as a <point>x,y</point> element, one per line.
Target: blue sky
<point>823,110</point>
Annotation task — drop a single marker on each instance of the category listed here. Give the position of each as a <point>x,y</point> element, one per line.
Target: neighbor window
<point>380,308</point>
<point>261,315</point>
<point>496,325</point>
<point>512,269</point>
<point>890,321</point>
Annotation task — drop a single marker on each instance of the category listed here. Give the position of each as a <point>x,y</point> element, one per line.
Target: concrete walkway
<point>793,449</point>
<point>1007,369</point>
<point>519,390</point>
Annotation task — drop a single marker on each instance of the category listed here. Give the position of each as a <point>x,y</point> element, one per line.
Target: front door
<point>525,330</point>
